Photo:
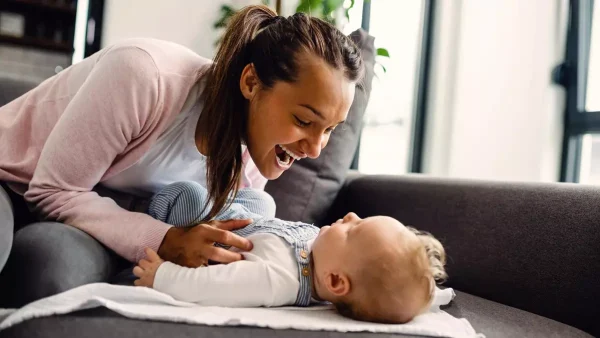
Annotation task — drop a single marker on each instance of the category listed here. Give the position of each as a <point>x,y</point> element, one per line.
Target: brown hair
<point>256,35</point>
<point>426,267</point>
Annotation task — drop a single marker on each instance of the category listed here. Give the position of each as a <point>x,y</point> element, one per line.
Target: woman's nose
<point>314,145</point>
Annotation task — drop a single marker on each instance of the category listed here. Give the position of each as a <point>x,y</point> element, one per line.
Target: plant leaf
<point>383,52</point>
<point>347,10</point>
<point>309,6</point>
<point>226,9</point>
<point>226,13</point>
<point>332,5</point>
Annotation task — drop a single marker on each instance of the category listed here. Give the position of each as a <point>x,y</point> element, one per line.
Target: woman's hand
<point>194,246</point>
<point>146,269</point>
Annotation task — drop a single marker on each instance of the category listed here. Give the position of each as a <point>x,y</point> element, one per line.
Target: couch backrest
<point>535,247</point>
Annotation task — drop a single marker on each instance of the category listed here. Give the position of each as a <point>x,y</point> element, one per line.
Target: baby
<point>373,269</point>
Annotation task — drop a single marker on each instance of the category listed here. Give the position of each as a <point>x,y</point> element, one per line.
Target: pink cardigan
<point>90,122</point>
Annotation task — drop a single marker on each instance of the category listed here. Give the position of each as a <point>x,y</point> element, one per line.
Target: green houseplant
<point>323,9</point>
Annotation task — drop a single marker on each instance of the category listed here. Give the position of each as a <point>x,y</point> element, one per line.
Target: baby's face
<point>345,241</point>
<point>352,246</point>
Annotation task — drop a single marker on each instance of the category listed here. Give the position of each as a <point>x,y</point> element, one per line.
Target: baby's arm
<point>239,284</point>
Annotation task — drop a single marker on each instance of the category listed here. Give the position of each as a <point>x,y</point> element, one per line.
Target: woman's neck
<point>201,138</point>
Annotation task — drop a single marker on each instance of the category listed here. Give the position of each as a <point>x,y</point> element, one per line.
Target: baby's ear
<point>338,284</point>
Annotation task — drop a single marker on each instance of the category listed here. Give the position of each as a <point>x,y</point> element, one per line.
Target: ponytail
<point>223,121</point>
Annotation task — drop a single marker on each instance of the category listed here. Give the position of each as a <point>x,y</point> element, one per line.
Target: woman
<point>144,113</point>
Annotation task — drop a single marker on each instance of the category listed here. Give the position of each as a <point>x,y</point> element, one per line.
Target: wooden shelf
<point>43,19</point>
<point>29,6</point>
<point>36,43</point>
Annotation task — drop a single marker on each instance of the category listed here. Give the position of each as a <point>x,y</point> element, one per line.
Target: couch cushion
<point>306,190</point>
<point>497,320</point>
<point>490,318</point>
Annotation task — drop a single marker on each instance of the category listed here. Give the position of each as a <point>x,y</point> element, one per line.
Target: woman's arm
<point>112,114</point>
<point>109,115</point>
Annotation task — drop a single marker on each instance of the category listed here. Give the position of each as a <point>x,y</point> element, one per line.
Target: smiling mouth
<point>285,157</point>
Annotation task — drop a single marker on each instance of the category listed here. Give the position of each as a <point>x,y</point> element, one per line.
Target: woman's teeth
<point>290,154</point>
<point>285,162</point>
<point>283,158</point>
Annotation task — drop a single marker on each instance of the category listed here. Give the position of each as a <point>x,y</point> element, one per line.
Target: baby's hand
<point>146,269</point>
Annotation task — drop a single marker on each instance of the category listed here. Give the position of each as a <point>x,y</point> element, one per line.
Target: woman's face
<point>292,121</point>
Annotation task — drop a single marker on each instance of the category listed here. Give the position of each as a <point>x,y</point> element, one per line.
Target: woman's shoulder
<point>167,57</point>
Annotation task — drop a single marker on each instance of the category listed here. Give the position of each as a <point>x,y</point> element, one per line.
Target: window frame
<point>416,144</point>
<point>96,13</point>
<point>572,74</point>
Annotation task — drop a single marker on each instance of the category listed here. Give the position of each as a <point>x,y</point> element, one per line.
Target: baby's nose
<point>349,216</point>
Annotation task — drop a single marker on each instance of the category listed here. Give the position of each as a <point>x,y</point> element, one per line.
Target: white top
<point>173,157</point>
<point>268,276</point>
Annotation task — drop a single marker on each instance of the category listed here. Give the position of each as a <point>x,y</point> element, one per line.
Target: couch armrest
<point>532,246</point>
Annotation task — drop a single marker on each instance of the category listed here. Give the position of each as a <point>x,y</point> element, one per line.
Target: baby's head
<point>376,269</point>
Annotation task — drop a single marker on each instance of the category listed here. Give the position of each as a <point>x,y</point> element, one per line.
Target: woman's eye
<point>329,130</point>
<point>300,122</point>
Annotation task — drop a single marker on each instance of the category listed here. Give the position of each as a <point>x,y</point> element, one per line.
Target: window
<point>392,130</point>
<point>589,171</point>
<point>580,74</point>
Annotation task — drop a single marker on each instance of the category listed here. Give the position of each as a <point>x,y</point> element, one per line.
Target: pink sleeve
<point>252,178</point>
<point>108,116</point>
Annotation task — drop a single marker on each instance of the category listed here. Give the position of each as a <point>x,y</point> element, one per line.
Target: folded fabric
<point>149,304</point>
<point>5,313</point>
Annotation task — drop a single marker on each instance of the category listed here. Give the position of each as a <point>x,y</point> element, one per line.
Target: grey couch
<point>524,259</point>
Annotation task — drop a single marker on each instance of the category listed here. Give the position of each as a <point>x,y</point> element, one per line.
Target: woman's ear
<point>337,284</point>
<point>249,83</point>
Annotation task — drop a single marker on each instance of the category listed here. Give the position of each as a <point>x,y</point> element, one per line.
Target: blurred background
<point>494,89</point>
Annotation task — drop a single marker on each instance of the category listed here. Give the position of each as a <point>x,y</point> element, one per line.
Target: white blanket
<point>149,304</point>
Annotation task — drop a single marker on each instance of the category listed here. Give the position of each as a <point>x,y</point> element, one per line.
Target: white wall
<point>493,111</point>
<point>187,22</point>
